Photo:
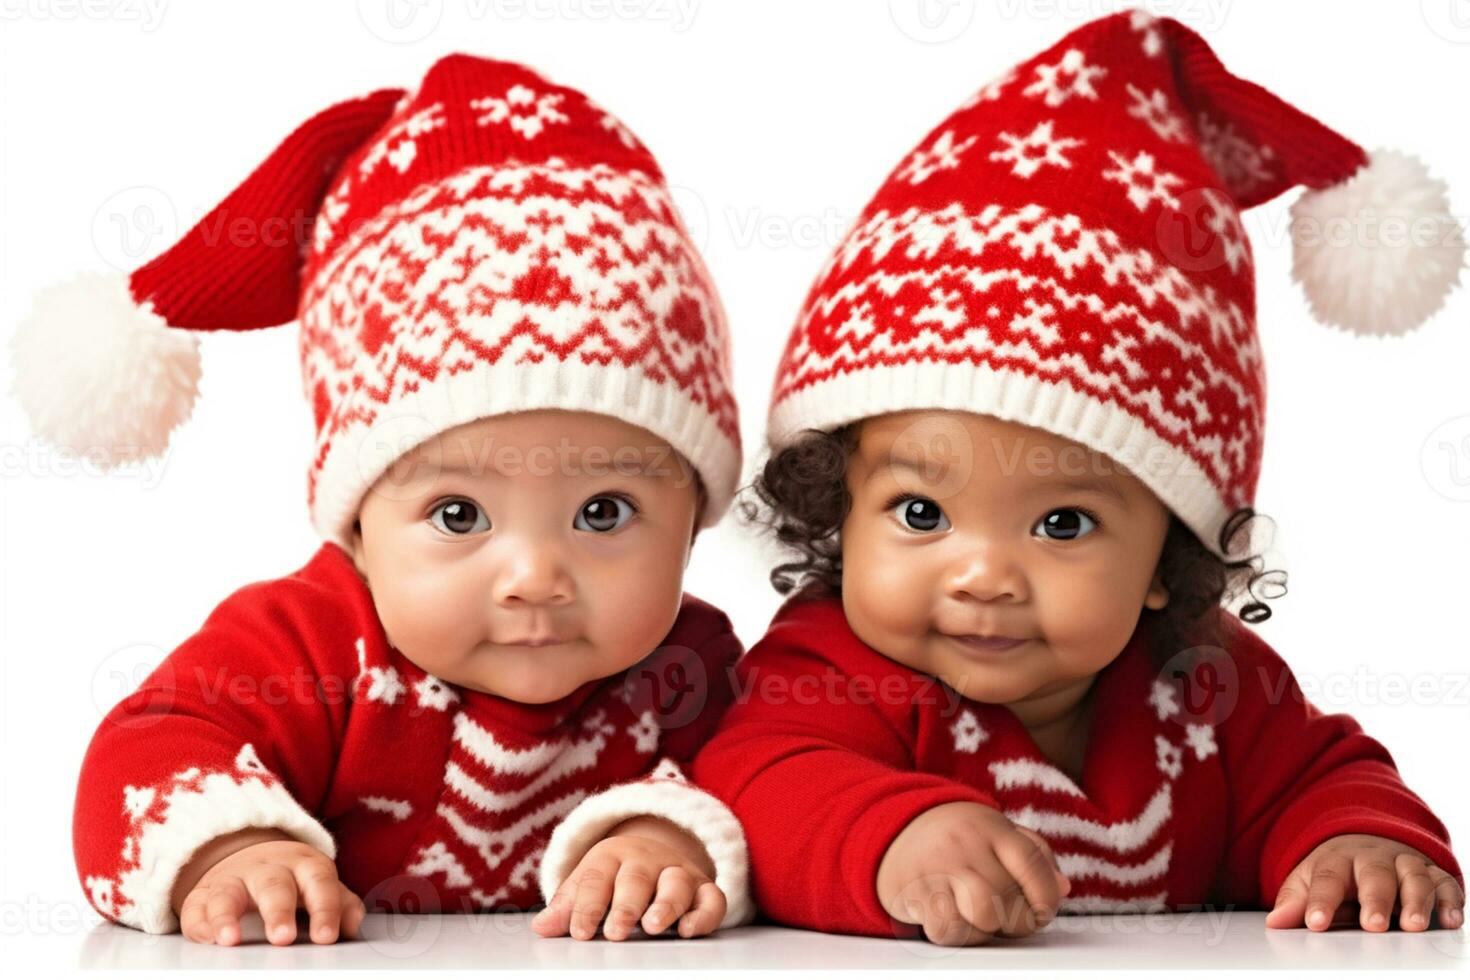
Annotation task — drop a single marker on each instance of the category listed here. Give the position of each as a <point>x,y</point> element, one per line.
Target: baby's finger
<point>321,895</point>
<point>1415,890</point>
<point>707,914</point>
<point>228,900</point>
<point>193,919</point>
<point>675,893</point>
<point>1331,875</point>
<point>632,889</point>
<point>1449,898</point>
<point>556,918</point>
<point>594,889</point>
<point>1033,869</point>
<point>1377,887</point>
<point>1290,909</point>
<point>1064,883</point>
<point>274,891</point>
<point>951,911</point>
<point>353,912</point>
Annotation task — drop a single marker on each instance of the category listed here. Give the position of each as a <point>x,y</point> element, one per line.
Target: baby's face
<point>964,525</point>
<point>523,555</point>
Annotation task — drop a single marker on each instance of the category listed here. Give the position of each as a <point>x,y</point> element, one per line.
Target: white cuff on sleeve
<point>676,801</point>
<point>196,808</point>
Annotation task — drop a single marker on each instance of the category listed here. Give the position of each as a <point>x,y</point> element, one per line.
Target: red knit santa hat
<point>491,243</point>
<point>1065,251</point>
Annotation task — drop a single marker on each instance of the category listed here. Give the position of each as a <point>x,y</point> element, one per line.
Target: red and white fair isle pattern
<point>1114,861</point>
<point>504,243</point>
<point>1073,225</point>
<point>428,796</point>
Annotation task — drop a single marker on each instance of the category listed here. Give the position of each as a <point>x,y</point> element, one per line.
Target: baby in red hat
<point>488,675</point>
<point>1015,438</point>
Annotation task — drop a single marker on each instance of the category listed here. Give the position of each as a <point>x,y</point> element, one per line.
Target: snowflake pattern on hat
<point>1065,250</point>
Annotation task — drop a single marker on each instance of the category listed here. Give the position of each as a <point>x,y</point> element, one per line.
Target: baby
<point>488,675</point>
<point>1015,439</point>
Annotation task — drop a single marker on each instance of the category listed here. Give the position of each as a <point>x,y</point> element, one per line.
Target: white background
<point>123,122</point>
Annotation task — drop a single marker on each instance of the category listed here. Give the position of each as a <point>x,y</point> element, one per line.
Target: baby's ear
<point>357,545</point>
<point>1158,593</point>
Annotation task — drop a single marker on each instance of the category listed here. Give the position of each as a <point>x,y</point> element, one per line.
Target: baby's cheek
<point>1087,622</point>
<point>430,618</point>
<point>631,611</point>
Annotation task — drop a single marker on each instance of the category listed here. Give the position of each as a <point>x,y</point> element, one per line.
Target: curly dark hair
<point>803,501</point>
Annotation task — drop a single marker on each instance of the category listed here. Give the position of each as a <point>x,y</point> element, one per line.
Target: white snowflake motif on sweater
<point>942,154</point>
<point>968,735</point>
<point>645,732</point>
<point>522,109</point>
<point>434,694</point>
<point>1142,181</point>
<point>1170,756</point>
<point>1154,109</point>
<point>1072,76</point>
<point>1038,148</point>
<point>1164,700</point>
<point>384,684</point>
<point>1201,738</point>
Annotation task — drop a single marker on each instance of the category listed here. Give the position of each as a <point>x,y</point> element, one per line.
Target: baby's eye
<point>603,514</point>
<point>459,517</point>
<point>1066,524</point>
<point>921,514</point>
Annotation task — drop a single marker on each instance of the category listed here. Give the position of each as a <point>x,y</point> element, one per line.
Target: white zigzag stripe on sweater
<point>1010,773</point>
<point>1123,836</point>
<point>494,845</point>
<point>574,758</point>
<point>490,753</point>
<point>1077,866</point>
<point>520,877</point>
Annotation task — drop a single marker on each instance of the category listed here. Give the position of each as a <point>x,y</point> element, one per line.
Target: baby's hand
<point>268,870</point>
<point>1375,870</point>
<point>645,863</point>
<point>965,873</point>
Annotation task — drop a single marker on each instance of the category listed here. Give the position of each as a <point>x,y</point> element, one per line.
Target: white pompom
<point>1379,252</point>
<point>100,375</point>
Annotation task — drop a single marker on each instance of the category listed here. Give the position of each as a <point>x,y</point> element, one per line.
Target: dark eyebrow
<point>1083,484</point>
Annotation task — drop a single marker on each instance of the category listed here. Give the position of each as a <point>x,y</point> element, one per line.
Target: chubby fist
<point>646,872</point>
<point>965,872</point>
<point>1384,877</point>
<point>267,870</point>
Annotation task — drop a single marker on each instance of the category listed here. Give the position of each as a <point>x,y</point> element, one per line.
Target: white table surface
<point>1223,939</point>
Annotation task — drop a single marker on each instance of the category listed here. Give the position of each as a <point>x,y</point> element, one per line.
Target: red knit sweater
<point>289,709</point>
<point>832,748</point>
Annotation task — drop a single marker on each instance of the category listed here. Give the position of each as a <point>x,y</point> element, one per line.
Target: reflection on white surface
<point>1186,939</point>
